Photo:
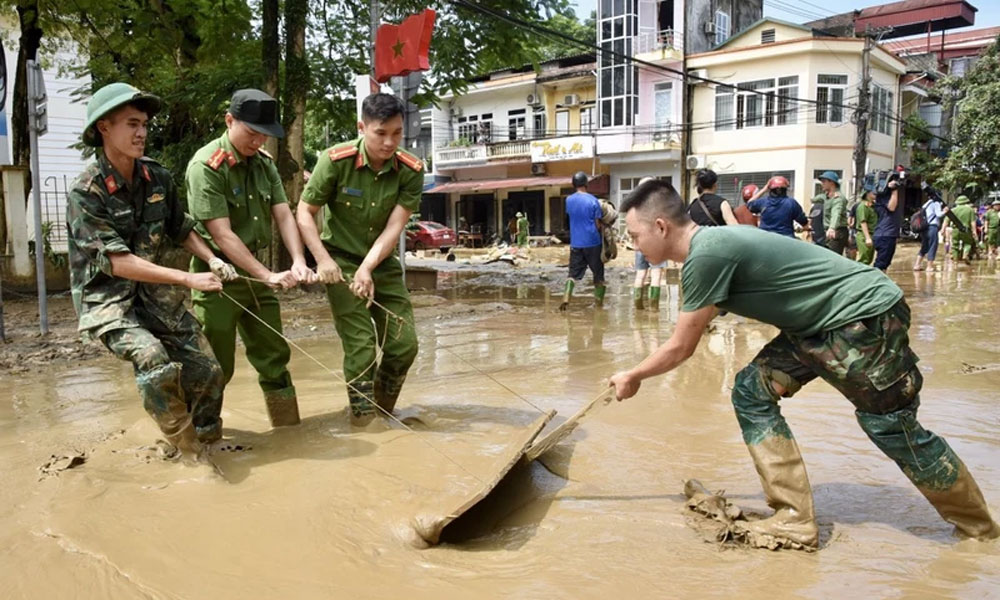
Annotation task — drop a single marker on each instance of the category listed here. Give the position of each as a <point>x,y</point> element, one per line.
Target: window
<point>883,110</point>
<point>960,66</point>
<point>617,78</point>
<point>756,103</point>
<point>731,184</point>
<point>468,128</point>
<point>767,36</point>
<point>538,123</point>
<point>587,116</point>
<point>817,188</point>
<point>663,104</point>
<point>485,128</point>
<point>562,122</point>
<point>830,98</point>
<point>515,124</point>
<point>721,27</point>
<point>788,109</point>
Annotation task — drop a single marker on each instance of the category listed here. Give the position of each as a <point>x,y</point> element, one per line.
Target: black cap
<point>258,110</point>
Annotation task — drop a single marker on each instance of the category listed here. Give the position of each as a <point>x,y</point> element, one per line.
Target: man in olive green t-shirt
<point>369,188</point>
<point>840,320</point>
<point>962,242</point>
<point>234,192</point>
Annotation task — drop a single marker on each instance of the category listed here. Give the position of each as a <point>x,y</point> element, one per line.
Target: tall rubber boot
<point>163,398</point>
<point>599,291</point>
<point>963,506</point>
<point>387,389</point>
<point>282,407</point>
<point>637,297</point>
<point>786,487</point>
<point>361,395</point>
<point>654,298</point>
<point>567,294</point>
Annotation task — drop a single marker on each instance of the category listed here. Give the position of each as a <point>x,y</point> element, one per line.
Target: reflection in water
<point>320,511</point>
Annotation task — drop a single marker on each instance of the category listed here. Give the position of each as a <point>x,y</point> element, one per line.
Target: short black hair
<point>658,199</point>
<point>706,178</point>
<point>380,107</point>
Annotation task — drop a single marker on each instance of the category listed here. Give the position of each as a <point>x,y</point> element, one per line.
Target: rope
<point>350,385</point>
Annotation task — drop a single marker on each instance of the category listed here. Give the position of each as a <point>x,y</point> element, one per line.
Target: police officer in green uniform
<point>369,189</point>
<point>234,192</point>
<point>522,230</point>
<point>124,221</point>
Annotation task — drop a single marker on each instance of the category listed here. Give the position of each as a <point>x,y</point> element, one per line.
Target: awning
<point>478,185</point>
<point>486,185</point>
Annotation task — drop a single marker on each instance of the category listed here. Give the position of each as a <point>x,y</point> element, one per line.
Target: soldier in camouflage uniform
<point>369,189</point>
<point>840,320</point>
<point>235,193</point>
<point>124,219</point>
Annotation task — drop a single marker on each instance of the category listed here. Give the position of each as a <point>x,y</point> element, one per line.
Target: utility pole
<point>38,124</point>
<point>861,115</point>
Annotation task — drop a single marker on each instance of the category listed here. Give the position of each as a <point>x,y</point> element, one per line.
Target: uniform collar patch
<point>111,184</point>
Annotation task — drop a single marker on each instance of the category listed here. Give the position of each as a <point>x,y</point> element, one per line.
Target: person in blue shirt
<point>584,213</point>
<point>777,210</point>
<point>890,219</point>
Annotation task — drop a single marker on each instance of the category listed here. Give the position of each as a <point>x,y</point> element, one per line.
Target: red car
<point>428,234</point>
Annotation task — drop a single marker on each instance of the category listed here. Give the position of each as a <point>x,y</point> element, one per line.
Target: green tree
<point>973,164</point>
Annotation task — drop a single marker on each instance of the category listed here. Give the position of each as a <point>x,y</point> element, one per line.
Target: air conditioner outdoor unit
<point>698,75</point>
<point>661,136</point>
<point>695,161</point>
<point>571,100</point>
<point>533,99</point>
<point>710,27</point>
<point>538,169</point>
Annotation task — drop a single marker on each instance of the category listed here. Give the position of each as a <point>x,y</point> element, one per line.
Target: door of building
<point>531,203</point>
<point>479,214</point>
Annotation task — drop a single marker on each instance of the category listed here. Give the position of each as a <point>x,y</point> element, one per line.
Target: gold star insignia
<point>397,50</point>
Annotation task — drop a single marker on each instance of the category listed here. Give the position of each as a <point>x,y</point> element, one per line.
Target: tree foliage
<point>973,164</point>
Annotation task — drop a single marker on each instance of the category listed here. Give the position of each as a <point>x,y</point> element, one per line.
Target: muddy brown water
<point>318,511</point>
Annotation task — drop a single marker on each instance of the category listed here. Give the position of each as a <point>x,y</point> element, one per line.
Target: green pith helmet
<point>109,98</point>
<point>962,200</point>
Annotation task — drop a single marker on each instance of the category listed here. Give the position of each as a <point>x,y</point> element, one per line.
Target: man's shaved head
<point>655,199</point>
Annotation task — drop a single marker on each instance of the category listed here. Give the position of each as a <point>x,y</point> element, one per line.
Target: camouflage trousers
<point>871,364</point>
<point>175,369</point>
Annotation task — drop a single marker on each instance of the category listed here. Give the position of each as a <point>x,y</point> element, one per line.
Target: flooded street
<point>319,511</point>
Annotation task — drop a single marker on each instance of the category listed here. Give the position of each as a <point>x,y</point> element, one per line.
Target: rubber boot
<point>654,298</point>
<point>637,297</point>
<point>567,294</point>
<point>282,407</point>
<point>963,506</point>
<point>361,395</point>
<point>786,487</point>
<point>387,389</point>
<point>599,291</point>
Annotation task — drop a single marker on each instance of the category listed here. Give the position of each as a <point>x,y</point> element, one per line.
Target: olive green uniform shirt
<point>106,215</point>
<point>223,183</point>
<point>799,288</point>
<point>357,200</point>
<point>835,211</point>
<point>865,214</point>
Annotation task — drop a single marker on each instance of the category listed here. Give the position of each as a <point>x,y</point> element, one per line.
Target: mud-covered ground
<point>88,510</point>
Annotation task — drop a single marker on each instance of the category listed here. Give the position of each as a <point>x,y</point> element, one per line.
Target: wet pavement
<point>320,511</point>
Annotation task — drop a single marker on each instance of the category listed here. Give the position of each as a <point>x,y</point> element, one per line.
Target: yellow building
<point>752,128</point>
<point>511,144</point>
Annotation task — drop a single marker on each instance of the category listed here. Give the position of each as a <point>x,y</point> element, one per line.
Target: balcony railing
<point>511,149</point>
<point>459,156</point>
<point>651,41</point>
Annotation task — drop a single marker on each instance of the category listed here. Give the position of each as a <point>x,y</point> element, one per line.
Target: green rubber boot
<point>361,396</point>
<point>567,294</point>
<point>637,297</point>
<point>599,291</point>
<point>654,298</point>
<point>282,407</point>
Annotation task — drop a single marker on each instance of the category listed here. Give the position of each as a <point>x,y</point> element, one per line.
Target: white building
<point>59,162</point>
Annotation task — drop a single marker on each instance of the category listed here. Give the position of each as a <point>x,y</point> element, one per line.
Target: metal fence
<point>53,194</point>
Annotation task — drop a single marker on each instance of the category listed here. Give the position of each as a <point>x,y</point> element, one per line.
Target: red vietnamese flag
<point>400,49</point>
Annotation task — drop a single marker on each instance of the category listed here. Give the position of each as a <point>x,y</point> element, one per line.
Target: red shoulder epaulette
<point>109,182</point>
<point>409,160</point>
<point>342,153</point>
<point>230,159</point>
<point>145,173</point>
<point>215,161</point>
